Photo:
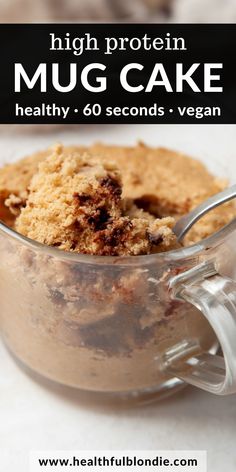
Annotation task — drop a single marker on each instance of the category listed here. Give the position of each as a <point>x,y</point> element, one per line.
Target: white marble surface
<point>36,416</point>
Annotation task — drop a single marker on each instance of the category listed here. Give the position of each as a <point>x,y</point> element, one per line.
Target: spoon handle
<point>184,224</point>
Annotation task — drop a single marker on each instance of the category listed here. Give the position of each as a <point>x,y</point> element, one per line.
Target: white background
<point>36,416</point>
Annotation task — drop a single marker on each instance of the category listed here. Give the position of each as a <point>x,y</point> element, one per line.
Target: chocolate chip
<point>82,199</point>
<point>155,238</point>
<point>115,236</point>
<point>112,185</point>
<point>100,219</point>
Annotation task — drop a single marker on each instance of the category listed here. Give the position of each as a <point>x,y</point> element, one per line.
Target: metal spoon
<point>184,224</point>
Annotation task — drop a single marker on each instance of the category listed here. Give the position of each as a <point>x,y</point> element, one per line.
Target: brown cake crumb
<point>16,202</point>
<point>74,203</point>
<point>156,183</point>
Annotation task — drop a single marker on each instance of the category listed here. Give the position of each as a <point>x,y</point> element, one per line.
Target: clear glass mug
<point>134,324</point>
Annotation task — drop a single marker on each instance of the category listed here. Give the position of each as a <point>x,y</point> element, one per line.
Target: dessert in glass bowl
<point>87,256</point>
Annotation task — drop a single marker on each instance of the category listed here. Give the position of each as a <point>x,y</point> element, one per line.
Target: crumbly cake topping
<point>156,183</point>
<point>74,203</point>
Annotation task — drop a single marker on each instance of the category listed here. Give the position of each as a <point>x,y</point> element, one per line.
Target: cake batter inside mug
<point>113,322</point>
<point>122,325</point>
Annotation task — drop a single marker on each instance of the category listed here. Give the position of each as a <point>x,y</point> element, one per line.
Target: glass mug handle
<point>215,296</point>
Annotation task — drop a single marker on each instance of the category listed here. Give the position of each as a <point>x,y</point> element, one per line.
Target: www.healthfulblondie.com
<point>117,461</point>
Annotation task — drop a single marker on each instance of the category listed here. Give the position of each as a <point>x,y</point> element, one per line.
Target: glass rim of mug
<point>175,254</point>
